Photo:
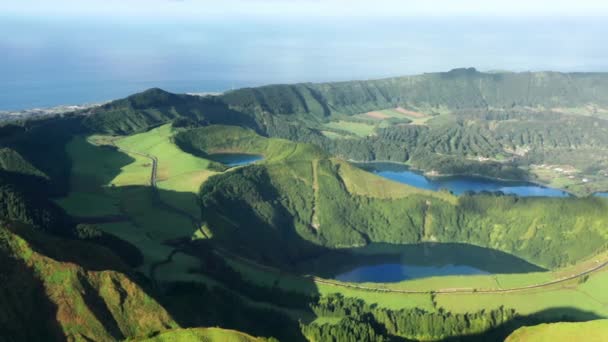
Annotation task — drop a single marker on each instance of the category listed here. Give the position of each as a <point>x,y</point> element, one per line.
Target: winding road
<point>318,280</point>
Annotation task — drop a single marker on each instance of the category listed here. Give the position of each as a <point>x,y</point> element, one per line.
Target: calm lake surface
<point>601,194</point>
<point>460,184</point>
<point>389,273</point>
<point>384,263</point>
<point>235,159</point>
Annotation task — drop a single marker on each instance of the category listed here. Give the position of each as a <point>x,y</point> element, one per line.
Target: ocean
<point>52,61</point>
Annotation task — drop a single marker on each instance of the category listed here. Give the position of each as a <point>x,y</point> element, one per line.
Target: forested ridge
<point>457,89</point>
<point>276,202</point>
<point>360,321</point>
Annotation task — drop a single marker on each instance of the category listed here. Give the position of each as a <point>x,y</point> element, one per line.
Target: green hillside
<point>592,331</point>
<point>308,200</point>
<point>456,89</point>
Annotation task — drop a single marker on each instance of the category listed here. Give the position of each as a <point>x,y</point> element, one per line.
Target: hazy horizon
<point>68,52</point>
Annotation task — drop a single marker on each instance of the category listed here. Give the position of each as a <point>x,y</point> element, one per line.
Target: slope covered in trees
<point>457,89</point>
<point>509,120</point>
<point>307,200</point>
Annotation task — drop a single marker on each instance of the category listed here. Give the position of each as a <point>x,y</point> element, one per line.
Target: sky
<point>62,51</point>
<point>304,8</point>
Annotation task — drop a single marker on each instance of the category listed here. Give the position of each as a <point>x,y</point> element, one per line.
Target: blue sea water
<point>49,60</point>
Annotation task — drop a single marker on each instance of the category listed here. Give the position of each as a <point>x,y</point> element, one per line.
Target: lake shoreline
<point>438,176</point>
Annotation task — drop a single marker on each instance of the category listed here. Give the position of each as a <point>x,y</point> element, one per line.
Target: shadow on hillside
<point>422,254</point>
<point>500,333</point>
<point>221,297</point>
<point>26,310</point>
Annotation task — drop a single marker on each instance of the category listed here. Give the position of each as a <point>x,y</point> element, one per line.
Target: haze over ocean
<point>73,57</point>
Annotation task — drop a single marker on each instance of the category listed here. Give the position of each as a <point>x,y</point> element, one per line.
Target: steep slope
<point>66,290</point>
<point>456,89</point>
<point>32,209</point>
<point>11,161</point>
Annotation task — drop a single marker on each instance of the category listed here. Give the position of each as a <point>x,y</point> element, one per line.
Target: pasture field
<point>334,135</point>
<point>118,183</point>
<point>594,331</point>
<point>360,182</point>
<point>397,115</point>
<point>173,163</point>
<point>357,128</point>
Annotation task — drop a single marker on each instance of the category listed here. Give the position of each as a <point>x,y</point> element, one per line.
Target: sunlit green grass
<point>200,334</point>
<point>358,128</point>
<point>593,331</point>
<point>172,161</point>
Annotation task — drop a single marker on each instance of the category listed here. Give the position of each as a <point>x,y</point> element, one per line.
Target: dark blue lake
<point>388,273</point>
<point>235,159</point>
<point>601,194</point>
<point>384,263</point>
<point>460,184</point>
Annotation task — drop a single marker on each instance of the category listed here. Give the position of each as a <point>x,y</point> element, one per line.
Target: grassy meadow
<point>118,183</point>
<point>594,331</point>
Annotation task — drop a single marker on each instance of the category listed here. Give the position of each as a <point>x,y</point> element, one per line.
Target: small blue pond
<point>235,159</point>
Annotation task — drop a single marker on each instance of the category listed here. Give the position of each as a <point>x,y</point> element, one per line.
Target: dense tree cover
<point>154,107</point>
<point>457,89</point>
<point>279,202</point>
<point>39,212</point>
<point>351,328</point>
<point>371,323</point>
<point>452,145</point>
<point>493,115</point>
